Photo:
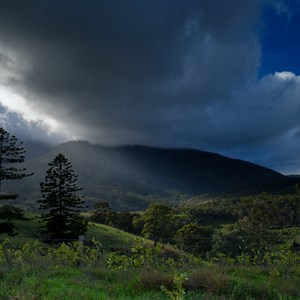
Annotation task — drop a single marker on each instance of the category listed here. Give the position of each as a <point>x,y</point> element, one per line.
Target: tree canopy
<point>61,202</point>
<point>157,222</point>
<point>11,152</point>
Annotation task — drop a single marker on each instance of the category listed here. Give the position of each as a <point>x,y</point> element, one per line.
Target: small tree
<point>195,238</point>
<point>103,213</point>
<point>261,215</point>
<point>60,200</point>
<point>157,222</point>
<point>9,213</point>
<point>11,152</point>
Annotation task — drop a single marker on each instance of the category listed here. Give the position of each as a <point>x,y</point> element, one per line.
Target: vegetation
<point>195,238</point>
<point>103,214</point>
<point>33,270</point>
<point>231,248</point>
<point>132,177</point>
<point>116,265</point>
<point>62,204</point>
<point>157,221</point>
<point>10,214</point>
<point>178,292</point>
<point>11,153</point>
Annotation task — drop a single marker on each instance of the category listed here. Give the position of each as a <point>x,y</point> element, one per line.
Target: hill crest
<point>130,177</point>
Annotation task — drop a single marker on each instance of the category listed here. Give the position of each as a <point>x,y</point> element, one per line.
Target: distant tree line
<point>103,214</point>
<point>251,223</point>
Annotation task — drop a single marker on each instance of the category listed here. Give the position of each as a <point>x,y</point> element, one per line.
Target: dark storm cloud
<point>160,72</point>
<point>124,66</point>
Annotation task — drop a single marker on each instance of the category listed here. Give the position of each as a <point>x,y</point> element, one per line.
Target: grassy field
<point>118,266</point>
<point>100,282</point>
<point>109,237</point>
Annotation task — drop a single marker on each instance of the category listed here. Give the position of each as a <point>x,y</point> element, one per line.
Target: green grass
<point>109,237</point>
<point>73,284</point>
<point>94,283</point>
<point>38,275</point>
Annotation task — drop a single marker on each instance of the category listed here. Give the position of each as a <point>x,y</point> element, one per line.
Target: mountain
<point>129,177</point>
<point>36,148</point>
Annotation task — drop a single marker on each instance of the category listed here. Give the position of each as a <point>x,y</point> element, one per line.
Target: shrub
<point>118,262</point>
<point>177,292</point>
<point>153,280</point>
<point>208,280</point>
<point>195,239</point>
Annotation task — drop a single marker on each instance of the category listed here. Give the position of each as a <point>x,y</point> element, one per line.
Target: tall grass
<point>33,270</point>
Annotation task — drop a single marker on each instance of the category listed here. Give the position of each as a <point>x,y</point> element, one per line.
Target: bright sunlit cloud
<point>285,75</point>
<point>15,103</point>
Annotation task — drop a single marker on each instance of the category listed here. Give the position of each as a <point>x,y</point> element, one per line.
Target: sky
<point>216,75</point>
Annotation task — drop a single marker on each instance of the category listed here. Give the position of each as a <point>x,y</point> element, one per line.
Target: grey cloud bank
<point>164,73</point>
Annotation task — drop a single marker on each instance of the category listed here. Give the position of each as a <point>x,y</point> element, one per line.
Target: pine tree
<point>60,200</point>
<point>11,152</point>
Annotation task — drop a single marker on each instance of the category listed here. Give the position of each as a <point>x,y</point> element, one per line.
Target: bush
<point>208,280</point>
<point>36,254</point>
<point>195,239</point>
<point>153,280</point>
<point>177,292</point>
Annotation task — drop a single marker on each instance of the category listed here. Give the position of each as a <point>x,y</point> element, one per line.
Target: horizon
<point>52,147</point>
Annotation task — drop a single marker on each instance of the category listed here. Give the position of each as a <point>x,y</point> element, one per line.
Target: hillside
<point>110,238</point>
<point>131,176</point>
<point>115,265</point>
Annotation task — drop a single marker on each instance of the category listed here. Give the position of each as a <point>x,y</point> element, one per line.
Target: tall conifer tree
<point>11,152</point>
<point>61,202</point>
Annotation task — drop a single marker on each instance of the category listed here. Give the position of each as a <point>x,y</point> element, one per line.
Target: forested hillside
<point>236,247</point>
<point>130,177</point>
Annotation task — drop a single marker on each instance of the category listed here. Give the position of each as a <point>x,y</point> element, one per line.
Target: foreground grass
<point>109,269</point>
<point>69,283</point>
<point>93,283</point>
<point>36,271</point>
